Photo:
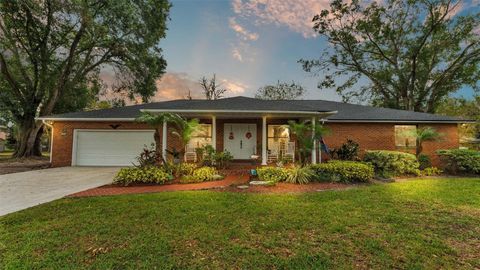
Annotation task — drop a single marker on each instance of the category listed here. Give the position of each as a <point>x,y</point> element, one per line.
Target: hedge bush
<point>463,161</point>
<point>272,174</point>
<point>392,163</point>
<point>201,174</point>
<point>184,169</point>
<point>343,171</point>
<point>150,174</point>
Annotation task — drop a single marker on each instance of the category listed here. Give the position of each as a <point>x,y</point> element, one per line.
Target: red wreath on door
<point>248,135</point>
<point>230,136</point>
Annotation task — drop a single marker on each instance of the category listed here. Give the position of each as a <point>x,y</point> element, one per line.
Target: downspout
<point>45,122</point>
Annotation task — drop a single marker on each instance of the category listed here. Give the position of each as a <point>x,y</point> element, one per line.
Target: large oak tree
<point>401,54</point>
<point>52,53</point>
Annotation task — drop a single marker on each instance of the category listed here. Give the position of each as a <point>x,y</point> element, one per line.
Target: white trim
<point>326,120</point>
<point>314,148</point>
<point>164,141</point>
<point>51,138</point>
<point>214,132</point>
<point>264,140</point>
<point>75,131</point>
<point>399,121</point>
<point>238,111</point>
<point>86,119</point>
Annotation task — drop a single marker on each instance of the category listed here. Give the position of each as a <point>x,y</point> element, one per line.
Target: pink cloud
<point>172,85</point>
<point>296,15</point>
<point>241,31</point>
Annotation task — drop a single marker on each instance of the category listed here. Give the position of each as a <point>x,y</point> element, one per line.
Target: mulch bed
<point>23,165</point>
<point>108,190</point>
<point>229,184</point>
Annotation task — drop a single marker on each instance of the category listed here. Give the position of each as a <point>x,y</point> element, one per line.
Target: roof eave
<point>399,121</point>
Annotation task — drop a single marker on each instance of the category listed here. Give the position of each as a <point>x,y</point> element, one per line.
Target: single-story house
<point>244,126</point>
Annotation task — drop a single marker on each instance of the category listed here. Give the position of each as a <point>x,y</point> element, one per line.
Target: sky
<point>246,43</point>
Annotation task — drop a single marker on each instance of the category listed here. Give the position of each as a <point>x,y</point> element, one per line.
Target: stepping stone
<point>242,187</point>
<point>258,183</point>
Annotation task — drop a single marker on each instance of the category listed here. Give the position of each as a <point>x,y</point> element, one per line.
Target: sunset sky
<point>246,43</point>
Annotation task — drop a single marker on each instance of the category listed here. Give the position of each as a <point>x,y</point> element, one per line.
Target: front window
<point>278,136</point>
<point>202,136</point>
<point>405,136</point>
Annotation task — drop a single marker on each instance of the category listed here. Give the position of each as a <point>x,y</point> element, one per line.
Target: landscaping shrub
<point>149,174</point>
<point>184,169</point>
<point>272,174</point>
<point>201,174</point>
<point>299,175</point>
<point>464,161</point>
<point>214,158</point>
<point>223,159</point>
<point>348,151</point>
<point>392,163</point>
<point>424,161</point>
<point>343,171</point>
<point>148,157</point>
<point>431,171</point>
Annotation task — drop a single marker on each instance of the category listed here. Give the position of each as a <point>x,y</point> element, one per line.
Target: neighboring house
<point>241,125</point>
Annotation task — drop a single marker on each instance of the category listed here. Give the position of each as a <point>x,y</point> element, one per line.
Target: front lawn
<point>431,223</point>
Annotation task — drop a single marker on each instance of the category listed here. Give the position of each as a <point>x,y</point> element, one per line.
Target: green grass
<point>417,224</point>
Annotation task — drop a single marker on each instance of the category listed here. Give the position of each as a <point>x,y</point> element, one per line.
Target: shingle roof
<point>345,111</point>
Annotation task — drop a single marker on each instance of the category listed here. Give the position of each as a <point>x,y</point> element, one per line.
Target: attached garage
<point>109,147</point>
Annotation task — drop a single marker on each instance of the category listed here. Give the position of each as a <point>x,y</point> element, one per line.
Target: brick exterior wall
<point>381,136</point>
<point>370,136</point>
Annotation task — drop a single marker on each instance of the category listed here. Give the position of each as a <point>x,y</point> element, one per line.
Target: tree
<point>467,109</point>
<point>403,54</point>
<point>303,132</point>
<point>211,88</point>
<point>52,52</point>
<point>281,91</point>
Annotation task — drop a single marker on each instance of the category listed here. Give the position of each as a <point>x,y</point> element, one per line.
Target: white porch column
<point>164,140</point>
<point>214,132</point>
<point>314,150</point>
<point>264,140</point>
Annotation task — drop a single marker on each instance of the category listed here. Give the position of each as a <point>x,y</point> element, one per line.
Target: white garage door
<point>109,148</point>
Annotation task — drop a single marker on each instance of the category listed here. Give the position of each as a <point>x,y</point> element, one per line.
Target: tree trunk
<point>28,140</point>
<point>37,146</point>
<point>158,147</point>
<point>419,148</point>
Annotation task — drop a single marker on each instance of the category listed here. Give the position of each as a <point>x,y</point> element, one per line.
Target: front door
<point>240,140</point>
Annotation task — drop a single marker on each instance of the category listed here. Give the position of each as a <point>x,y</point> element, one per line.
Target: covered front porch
<point>260,136</point>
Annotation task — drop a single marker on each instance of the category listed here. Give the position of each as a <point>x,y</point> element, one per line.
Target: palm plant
<point>306,133</point>
<point>156,121</point>
<point>425,134</point>
<point>184,129</point>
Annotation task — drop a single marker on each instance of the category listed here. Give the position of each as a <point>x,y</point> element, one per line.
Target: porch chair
<point>273,153</point>
<point>289,151</point>
<point>190,153</point>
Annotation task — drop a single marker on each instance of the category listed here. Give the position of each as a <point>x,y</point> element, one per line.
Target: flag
<point>324,146</point>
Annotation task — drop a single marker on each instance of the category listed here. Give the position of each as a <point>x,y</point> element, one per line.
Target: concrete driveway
<point>26,189</point>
